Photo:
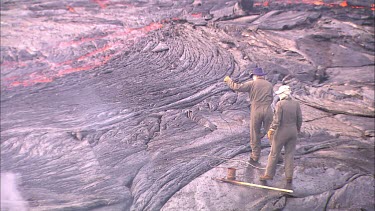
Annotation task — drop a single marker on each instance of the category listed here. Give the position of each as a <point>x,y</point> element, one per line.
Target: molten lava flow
<point>93,59</point>
<point>13,64</point>
<point>100,50</point>
<point>344,4</point>
<point>34,78</point>
<point>116,40</point>
<point>71,9</point>
<point>196,15</point>
<point>102,3</point>
<point>316,2</point>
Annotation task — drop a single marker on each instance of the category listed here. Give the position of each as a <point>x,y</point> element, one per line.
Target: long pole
<point>253,185</point>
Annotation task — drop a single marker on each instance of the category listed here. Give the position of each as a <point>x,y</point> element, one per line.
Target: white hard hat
<point>283,89</point>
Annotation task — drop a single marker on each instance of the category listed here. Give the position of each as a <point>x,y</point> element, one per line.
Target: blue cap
<point>258,71</point>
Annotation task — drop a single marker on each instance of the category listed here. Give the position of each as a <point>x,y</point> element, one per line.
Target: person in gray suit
<point>286,124</point>
<point>261,96</point>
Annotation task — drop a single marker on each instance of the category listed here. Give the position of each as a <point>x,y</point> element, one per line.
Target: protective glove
<point>270,134</point>
<point>227,78</point>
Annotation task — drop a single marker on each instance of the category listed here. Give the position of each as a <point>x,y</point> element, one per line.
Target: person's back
<point>260,90</point>
<point>261,96</point>
<point>261,93</point>
<point>290,115</point>
<point>285,126</point>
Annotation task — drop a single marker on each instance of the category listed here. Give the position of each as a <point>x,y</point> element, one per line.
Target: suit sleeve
<point>276,117</point>
<point>274,102</point>
<point>299,118</point>
<point>242,87</point>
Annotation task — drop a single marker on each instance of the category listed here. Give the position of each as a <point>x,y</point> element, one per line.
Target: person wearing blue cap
<point>261,97</point>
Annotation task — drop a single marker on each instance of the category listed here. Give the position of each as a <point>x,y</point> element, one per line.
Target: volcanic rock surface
<point>120,105</point>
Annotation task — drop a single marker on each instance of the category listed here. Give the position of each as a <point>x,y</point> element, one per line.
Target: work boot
<point>289,180</point>
<point>265,177</point>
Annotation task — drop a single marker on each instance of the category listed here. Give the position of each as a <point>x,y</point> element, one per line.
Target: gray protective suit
<point>287,123</point>
<point>276,99</point>
<point>261,96</point>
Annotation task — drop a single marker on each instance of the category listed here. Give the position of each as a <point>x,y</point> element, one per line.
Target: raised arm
<point>240,87</point>
<point>276,99</point>
<point>276,117</point>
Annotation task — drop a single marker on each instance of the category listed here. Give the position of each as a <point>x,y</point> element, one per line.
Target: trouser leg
<point>290,148</point>
<point>255,125</point>
<point>267,119</point>
<point>273,157</point>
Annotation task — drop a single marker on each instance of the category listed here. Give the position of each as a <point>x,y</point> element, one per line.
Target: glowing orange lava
<point>318,3</point>
<point>344,4</point>
<point>196,15</point>
<point>102,3</point>
<point>71,9</point>
<point>118,40</point>
<point>93,59</point>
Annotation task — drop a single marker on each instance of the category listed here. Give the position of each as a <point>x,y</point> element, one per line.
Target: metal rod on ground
<point>253,185</point>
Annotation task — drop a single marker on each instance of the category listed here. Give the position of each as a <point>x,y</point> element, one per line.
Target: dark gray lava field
<point>121,105</point>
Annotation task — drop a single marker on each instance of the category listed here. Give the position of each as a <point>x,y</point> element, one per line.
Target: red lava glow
<point>70,9</point>
<point>34,79</point>
<point>344,4</point>
<point>196,15</point>
<point>87,61</point>
<point>13,64</point>
<point>151,27</point>
<point>73,70</point>
<point>102,55</point>
<point>318,3</point>
<point>100,50</point>
<point>102,3</point>
<point>146,29</point>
